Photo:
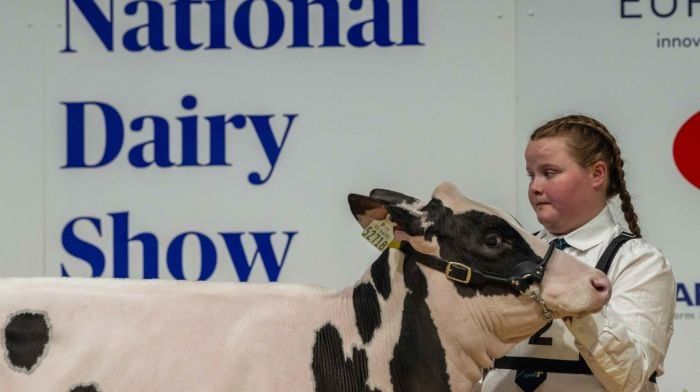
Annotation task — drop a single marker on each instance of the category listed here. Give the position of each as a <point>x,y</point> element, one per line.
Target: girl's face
<point>563,194</point>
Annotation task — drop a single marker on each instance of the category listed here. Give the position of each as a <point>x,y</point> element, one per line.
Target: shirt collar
<point>594,232</point>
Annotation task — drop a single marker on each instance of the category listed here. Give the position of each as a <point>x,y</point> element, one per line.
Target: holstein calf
<point>465,285</point>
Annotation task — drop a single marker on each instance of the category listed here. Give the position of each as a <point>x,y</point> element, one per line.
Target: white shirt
<point>627,341</point>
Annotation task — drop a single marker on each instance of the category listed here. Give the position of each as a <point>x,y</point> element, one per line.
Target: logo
<point>665,9</point>
<point>686,150</point>
<point>687,300</point>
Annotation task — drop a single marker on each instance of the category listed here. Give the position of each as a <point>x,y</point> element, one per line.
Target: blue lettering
<point>82,249</point>
<point>275,24</point>
<point>267,140</point>
<point>300,17</point>
<point>380,22</point>
<point>189,133</point>
<point>410,23</point>
<point>207,251</point>
<point>264,248</point>
<point>160,142</point>
<point>151,34</point>
<point>120,242</point>
<point>154,27</point>
<point>682,294</point>
<point>100,23</point>
<point>217,27</point>
<point>183,24</point>
<point>217,136</point>
<point>75,131</point>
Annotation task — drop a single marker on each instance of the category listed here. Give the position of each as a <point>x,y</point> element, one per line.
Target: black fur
<point>389,198</point>
<point>418,363</point>
<point>368,315</point>
<point>26,336</point>
<point>333,372</point>
<point>85,388</point>
<point>463,238</point>
<point>381,274</point>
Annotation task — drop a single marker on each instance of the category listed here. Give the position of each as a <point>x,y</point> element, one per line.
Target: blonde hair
<point>589,141</point>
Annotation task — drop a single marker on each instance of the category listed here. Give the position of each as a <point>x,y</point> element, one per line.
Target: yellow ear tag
<point>380,233</point>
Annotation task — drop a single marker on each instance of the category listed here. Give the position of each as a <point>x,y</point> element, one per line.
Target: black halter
<point>520,277</point>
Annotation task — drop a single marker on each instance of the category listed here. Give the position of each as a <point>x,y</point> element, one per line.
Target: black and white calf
<point>404,326</point>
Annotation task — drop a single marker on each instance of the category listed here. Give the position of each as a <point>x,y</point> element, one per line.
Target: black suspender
<point>609,254</point>
<point>566,366</point>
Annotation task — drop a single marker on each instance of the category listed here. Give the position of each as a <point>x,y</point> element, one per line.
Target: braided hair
<point>589,142</point>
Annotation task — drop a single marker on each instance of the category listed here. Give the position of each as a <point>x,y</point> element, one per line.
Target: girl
<point>575,167</point>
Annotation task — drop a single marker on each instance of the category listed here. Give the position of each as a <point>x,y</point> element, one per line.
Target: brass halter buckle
<point>464,270</point>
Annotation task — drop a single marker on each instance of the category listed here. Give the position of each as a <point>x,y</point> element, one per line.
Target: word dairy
<point>155,151</point>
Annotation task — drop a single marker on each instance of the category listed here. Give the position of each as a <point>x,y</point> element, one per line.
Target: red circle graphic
<point>686,150</point>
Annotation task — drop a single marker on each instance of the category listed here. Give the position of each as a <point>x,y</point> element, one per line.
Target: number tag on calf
<point>380,233</point>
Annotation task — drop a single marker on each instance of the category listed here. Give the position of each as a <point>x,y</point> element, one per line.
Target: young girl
<point>575,167</point>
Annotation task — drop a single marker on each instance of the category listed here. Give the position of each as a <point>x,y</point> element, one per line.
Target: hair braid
<point>589,142</point>
<point>618,185</point>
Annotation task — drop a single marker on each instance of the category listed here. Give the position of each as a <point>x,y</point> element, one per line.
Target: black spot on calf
<point>368,316</point>
<point>381,274</point>
<point>85,388</point>
<point>333,372</point>
<point>419,359</point>
<point>26,335</point>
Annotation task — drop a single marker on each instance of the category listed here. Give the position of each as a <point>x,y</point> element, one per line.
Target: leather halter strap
<point>520,276</point>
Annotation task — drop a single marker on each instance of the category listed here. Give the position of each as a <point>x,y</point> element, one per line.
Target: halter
<point>519,278</point>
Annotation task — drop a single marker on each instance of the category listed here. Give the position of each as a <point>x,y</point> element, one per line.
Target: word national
<point>253,24</point>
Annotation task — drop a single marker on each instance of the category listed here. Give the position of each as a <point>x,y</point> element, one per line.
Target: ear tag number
<point>380,233</point>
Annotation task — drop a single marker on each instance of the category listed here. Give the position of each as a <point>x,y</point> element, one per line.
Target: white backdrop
<point>455,102</point>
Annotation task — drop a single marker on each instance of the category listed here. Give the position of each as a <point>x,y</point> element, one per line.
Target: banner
<point>219,139</point>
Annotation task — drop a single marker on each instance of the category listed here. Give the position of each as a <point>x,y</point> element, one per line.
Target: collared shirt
<point>627,341</point>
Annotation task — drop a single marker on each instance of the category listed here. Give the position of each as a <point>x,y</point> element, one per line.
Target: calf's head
<point>485,252</point>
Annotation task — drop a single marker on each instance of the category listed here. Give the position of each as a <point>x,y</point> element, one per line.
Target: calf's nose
<point>602,286</point>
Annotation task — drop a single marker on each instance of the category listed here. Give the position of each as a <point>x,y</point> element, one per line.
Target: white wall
<point>23,148</point>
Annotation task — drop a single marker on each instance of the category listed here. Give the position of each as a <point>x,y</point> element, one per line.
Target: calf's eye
<point>493,240</point>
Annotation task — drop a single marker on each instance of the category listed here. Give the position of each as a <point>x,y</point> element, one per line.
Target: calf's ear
<point>391,198</point>
<point>404,210</point>
<point>365,209</point>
